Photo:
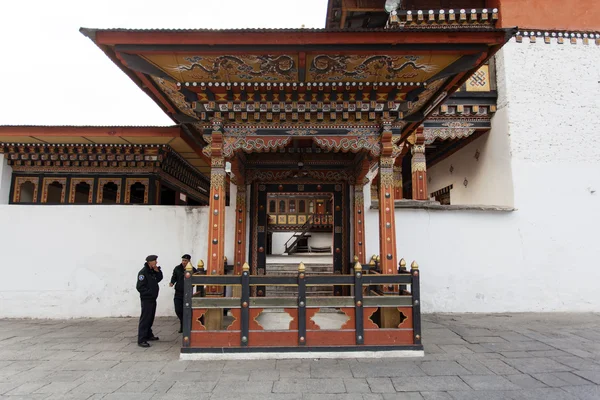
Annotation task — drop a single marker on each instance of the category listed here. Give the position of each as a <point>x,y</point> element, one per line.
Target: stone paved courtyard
<point>472,356</point>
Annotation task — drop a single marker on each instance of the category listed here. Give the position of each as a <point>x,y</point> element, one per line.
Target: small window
<point>292,206</point>
<point>281,206</point>
<point>301,206</point>
<point>26,192</point>
<point>55,190</point>
<point>443,195</point>
<point>311,207</point>
<point>109,191</point>
<point>136,191</point>
<point>272,206</point>
<point>81,190</point>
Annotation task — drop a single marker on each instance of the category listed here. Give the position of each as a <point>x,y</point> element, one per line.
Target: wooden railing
<point>374,321</point>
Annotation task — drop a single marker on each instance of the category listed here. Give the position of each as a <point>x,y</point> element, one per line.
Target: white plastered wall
<point>82,261</point>
<point>543,256</point>
<point>488,178</point>
<point>5,178</point>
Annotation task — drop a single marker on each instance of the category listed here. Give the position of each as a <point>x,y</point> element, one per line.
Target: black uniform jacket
<point>147,282</point>
<point>177,279</point>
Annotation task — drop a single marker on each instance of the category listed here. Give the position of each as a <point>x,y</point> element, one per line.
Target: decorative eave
<point>116,137</point>
<point>482,18</point>
<point>557,37</point>
<point>342,87</point>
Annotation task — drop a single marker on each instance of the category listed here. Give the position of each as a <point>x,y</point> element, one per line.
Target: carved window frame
<point>104,181</point>
<point>75,182</point>
<point>46,182</point>
<point>132,181</point>
<point>20,180</point>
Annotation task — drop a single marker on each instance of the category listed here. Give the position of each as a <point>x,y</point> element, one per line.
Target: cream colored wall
<point>489,178</point>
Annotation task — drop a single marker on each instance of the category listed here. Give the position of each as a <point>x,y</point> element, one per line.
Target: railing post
<point>416,298</point>
<point>301,305</point>
<point>358,304</point>
<point>402,270</point>
<point>201,271</point>
<point>187,304</point>
<point>245,304</point>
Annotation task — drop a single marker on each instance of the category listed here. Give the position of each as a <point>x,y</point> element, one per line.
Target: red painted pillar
<point>419,168</point>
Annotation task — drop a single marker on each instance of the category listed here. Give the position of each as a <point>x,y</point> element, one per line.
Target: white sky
<point>53,75</point>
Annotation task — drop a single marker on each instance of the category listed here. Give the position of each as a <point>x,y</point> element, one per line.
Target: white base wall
<point>317,239</point>
<point>82,261</point>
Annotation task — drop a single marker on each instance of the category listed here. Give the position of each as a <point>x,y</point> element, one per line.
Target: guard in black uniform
<point>177,281</point>
<point>147,284</point>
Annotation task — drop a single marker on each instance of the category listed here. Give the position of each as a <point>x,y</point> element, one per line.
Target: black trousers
<point>146,320</point>
<point>178,302</point>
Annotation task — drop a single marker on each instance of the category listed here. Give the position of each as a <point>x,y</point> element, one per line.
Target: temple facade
<point>434,131</point>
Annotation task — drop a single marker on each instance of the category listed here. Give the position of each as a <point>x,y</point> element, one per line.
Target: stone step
<point>274,269</point>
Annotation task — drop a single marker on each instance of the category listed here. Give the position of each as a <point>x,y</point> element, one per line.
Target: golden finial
<point>357,267</point>
<point>301,267</point>
<point>378,259</point>
<point>414,265</point>
<point>402,264</point>
<point>355,259</point>
<point>225,259</point>
<point>374,257</point>
<point>245,267</point>
<point>200,265</point>
<point>372,263</point>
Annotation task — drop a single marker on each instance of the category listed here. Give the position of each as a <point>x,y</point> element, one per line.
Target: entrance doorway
<point>294,222</point>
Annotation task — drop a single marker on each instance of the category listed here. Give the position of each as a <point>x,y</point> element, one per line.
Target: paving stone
<point>58,387</point>
<point>99,387</point>
<point>592,376</point>
<point>87,365</point>
<point>26,388</point>
<point>309,386</point>
<point>386,369</point>
<point>577,362</point>
<point>488,382</point>
<point>381,385</point>
<point>537,365</point>
<point>543,394</point>
<point>134,387</point>
<point>474,367</point>
<point>267,375</point>
<point>484,339</point>
<point>344,396</point>
<point>7,387</point>
<point>437,368</point>
<point>403,396</point>
<point>432,383</point>
<point>499,367</point>
<point>196,388</point>
<point>256,396</point>
<point>525,381</point>
<point>159,387</point>
<point>483,395</point>
<point>128,396</point>
<point>584,392</point>
<point>436,396</point>
<point>357,385</point>
<point>246,387</point>
<point>324,371</point>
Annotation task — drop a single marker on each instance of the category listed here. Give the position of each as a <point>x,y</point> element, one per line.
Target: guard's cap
<point>186,257</point>
<point>151,258</point>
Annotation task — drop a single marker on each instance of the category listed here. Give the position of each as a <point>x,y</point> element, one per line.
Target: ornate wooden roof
<point>329,81</point>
